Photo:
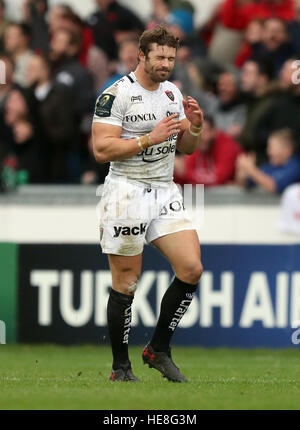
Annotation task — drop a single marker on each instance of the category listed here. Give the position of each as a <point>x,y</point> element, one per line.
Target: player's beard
<point>157,75</point>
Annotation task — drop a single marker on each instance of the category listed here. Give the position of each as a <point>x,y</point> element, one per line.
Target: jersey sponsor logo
<point>172,113</point>
<point>160,150</point>
<point>179,313</point>
<point>170,95</point>
<point>140,117</point>
<point>127,324</point>
<point>127,231</point>
<point>104,105</point>
<point>153,161</point>
<point>136,99</point>
<point>175,206</point>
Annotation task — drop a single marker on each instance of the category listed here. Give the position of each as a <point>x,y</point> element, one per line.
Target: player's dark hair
<point>159,35</point>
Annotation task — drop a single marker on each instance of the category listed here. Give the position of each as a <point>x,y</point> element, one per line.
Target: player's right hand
<point>165,128</point>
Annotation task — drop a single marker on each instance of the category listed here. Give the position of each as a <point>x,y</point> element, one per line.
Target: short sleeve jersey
<point>128,105</point>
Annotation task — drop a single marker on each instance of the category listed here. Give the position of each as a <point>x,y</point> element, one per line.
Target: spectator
<point>226,108</point>
<point>6,87</point>
<point>111,24</point>
<point>236,14</point>
<point>34,15</point>
<point>3,24</point>
<point>55,116</point>
<point>64,50</point>
<point>160,11</point>
<point>213,163</point>
<point>294,28</point>
<point>259,93</point>
<point>284,112</point>
<point>16,43</point>
<point>275,44</point>
<point>56,17</point>
<point>234,17</point>
<point>181,23</point>
<point>62,17</point>
<point>282,170</point>
<point>5,90</point>
<point>128,60</point>
<point>253,36</point>
<point>229,112</point>
<point>22,137</point>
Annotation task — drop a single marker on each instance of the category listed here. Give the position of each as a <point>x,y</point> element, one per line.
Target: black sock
<point>174,304</point>
<point>119,321</point>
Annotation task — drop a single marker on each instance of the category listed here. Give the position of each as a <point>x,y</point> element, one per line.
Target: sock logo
<point>189,296</point>
<point>127,324</point>
<point>127,231</point>
<point>179,313</point>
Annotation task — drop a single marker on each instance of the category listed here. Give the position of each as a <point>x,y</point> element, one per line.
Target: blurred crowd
<point>243,67</point>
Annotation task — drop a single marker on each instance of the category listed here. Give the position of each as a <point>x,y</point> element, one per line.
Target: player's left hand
<point>193,112</point>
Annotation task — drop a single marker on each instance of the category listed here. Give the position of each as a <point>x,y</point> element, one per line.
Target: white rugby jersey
<point>137,110</point>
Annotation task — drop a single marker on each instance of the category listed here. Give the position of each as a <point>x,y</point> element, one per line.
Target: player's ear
<point>141,56</point>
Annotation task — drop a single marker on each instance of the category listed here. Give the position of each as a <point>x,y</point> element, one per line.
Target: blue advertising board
<point>248,296</point>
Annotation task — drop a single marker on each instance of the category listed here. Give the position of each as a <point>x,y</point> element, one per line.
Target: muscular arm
<point>187,143</point>
<point>108,145</point>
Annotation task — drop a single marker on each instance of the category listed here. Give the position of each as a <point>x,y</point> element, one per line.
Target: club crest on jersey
<point>170,95</point>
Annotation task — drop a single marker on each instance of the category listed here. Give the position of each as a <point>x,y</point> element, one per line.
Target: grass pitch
<point>54,377</point>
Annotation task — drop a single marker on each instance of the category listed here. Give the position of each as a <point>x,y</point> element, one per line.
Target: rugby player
<point>138,124</point>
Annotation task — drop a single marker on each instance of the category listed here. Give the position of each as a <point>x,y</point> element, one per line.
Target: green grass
<point>53,377</point>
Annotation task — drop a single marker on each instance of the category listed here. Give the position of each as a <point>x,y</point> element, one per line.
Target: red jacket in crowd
<point>237,16</point>
<point>216,166</point>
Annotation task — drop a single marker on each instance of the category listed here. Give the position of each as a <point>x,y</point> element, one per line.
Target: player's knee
<point>192,273</point>
<point>127,282</point>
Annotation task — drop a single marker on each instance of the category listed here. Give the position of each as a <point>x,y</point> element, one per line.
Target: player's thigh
<point>125,271</point>
<point>182,249</point>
